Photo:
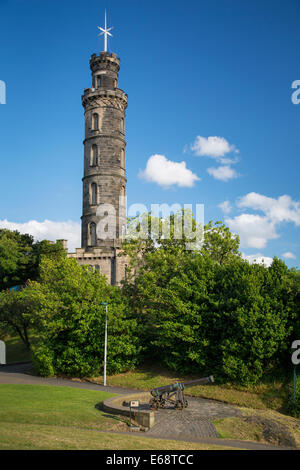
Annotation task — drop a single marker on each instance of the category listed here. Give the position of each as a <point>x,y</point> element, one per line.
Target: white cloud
<point>288,255</point>
<point>223,173</point>
<point>228,161</point>
<point>225,206</point>
<point>166,173</point>
<point>259,259</point>
<point>48,230</point>
<point>213,146</point>
<point>283,209</point>
<point>254,230</point>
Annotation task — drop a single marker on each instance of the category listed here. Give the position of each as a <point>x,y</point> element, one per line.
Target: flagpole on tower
<point>105,32</point>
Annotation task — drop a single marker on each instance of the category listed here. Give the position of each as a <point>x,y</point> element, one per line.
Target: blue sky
<point>193,70</point>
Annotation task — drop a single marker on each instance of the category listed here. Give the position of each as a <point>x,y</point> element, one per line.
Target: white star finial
<point>106,33</point>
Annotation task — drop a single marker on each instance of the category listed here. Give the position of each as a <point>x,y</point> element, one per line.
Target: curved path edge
<point>17,375</point>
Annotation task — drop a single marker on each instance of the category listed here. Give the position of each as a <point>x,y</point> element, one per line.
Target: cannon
<point>174,394</point>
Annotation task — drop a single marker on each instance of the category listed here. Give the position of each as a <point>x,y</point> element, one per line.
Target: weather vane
<point>106,33</point>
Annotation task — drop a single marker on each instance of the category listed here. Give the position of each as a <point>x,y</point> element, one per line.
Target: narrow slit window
<point>94,159</point>
<point>94,193</point>
<point>95,121</point>
<point>93,235</point>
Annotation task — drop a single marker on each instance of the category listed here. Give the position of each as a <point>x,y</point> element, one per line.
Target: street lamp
<point>105,344</point>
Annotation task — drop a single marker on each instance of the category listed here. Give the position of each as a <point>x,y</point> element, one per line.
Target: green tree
<point>20,257</point>
<point>292,291</point>
<point>70,321</point>
<point>17,313</point>
<point>219,243</point>
<point>15,258</point>
<point>147,234</point>
<point>210,311</point>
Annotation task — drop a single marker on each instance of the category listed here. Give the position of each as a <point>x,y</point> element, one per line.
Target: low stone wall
<point>144,416</point>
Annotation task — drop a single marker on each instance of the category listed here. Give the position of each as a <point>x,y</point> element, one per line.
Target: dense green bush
<point>294,404</point>
<point>298,391</point>
<point>43,360</point>
<point>70,322</point>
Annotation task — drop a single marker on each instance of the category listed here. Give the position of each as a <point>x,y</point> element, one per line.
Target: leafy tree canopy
<point>20,257</point>
<point>210,311</point>
<point>70,319</point>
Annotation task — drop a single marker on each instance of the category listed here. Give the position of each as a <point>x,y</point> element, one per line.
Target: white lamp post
<point>105,344</point>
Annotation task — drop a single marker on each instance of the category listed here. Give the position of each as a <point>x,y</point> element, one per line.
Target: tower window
<point>93,234</point>
<point>122,125</point>
<point>98,81</point>
<point>94,155</point>
<point>122,158</point>
<point>95,121</point>
<point>94,194</point>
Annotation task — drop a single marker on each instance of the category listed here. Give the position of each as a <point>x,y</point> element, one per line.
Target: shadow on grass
<point>120,419</point>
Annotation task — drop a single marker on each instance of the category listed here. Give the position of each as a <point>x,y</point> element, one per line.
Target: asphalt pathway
<point>18,374</point>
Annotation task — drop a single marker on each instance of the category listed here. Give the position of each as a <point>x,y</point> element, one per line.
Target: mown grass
<point>49,417</point>
<point>31,436</point>
<point>59,406</point>
<point>237,428</point>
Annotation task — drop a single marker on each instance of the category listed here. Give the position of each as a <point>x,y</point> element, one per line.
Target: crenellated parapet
<point>105,61</point>
<point>93,98</point>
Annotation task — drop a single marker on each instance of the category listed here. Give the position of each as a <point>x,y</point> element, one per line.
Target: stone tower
<point>104,180</point>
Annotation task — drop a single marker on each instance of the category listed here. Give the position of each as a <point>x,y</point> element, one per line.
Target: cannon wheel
<point>178,405</point>
<point>153,404</point>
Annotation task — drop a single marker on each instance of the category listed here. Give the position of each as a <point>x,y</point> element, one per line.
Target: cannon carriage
<point>174,394</point>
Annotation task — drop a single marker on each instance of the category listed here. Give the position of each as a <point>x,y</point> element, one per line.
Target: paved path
<point>195,421</point>
<point>16,374</point>
<point>193,424</point>
<point>233,443</point>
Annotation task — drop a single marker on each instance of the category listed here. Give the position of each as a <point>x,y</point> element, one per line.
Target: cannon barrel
<point>180,385</point>
<point>203,380</point>
<point>165,389</point>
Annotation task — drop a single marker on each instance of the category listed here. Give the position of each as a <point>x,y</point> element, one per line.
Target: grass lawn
<point>49,417</point>
<point>236,428</point>
<point>57,406</point>
<point>29,436</point>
